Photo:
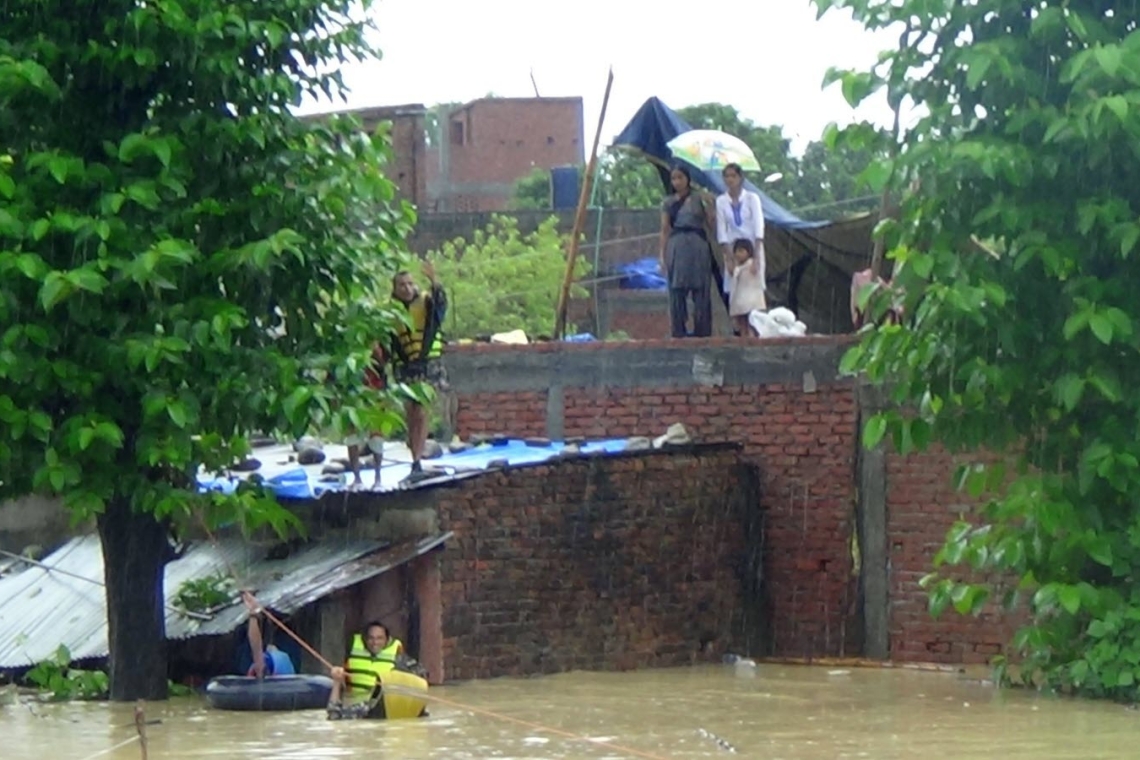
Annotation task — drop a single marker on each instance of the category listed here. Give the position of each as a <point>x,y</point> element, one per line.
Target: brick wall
<point>802,442</point>
<point>599,564</point>
<point>523,414</point>
<point>506,138</point>
<point>798,422</point>
<point>489,144</point>
<point>921,506</point>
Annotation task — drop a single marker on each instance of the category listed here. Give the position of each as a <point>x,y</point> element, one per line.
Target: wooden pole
<point>580,218</point>
<point>140,726</point>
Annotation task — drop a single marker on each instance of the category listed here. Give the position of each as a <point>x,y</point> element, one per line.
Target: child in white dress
<point>747,291</point>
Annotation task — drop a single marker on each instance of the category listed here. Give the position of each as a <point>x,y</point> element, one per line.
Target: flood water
<point>773,712</point>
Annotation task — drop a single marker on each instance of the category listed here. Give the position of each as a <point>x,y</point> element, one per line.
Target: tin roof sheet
<point>41,608</point>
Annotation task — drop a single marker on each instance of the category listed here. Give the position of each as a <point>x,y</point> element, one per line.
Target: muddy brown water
<point>773,712</point>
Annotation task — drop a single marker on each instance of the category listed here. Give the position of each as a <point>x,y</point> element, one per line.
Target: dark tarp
<point>810,264</point>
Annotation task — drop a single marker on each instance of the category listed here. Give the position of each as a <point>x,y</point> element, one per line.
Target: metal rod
<point>580,217</point>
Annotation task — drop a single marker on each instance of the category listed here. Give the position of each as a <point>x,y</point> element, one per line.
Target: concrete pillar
<point>872,524</point>
<point>429,598</point>
<point>555,413</point>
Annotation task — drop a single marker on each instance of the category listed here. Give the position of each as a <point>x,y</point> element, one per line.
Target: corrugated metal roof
<point>41,609</point>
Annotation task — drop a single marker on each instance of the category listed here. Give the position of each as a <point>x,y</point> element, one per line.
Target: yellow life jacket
<point>363,668</point>
<point>412,338</point>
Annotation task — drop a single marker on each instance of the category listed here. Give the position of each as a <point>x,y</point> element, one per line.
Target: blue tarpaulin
<point>299,482</point>
<point>655,124</point>
<point>643,274</point>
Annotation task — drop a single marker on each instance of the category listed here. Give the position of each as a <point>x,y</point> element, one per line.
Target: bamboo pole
<point>580,218</point>
<point>140,726</point>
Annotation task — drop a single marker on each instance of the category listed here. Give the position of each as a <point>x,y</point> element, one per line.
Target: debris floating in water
<point>738,661</point>
<point>719,741</point>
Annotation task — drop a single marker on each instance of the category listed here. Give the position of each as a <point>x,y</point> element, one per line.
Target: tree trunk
<point>135,553</point>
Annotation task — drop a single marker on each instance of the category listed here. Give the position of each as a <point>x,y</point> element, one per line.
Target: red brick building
<point>487,145</point>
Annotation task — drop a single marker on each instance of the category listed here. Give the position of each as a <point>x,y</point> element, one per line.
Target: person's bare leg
<point>417,430</point>
<point>376,446</point>
<point>743,327</point>
<point>354,463</point>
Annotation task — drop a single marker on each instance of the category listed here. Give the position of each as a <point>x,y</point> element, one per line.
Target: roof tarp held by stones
<point>810,263</point>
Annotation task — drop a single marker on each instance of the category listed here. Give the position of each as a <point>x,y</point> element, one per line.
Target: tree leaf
<point>54,289</point>
<point>177,413</point>
<point>1119,106</point>
<point>7,186</point>
<point>1109,57</point>
<point>1075,323</point>
<point>1101,551</point>
<point>1101,327</point>
<point>40,228</point>
<point>57,166</point>
<point>874,431</point>
<point>1069,388</point>
<point>1070,598</point>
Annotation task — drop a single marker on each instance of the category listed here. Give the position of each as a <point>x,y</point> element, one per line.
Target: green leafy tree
<point>182,262</point>
<point>1024,346</point>
<point>532,192</point>
<point>502,280</point>
<point>827,175</point>
<point>827,183</point>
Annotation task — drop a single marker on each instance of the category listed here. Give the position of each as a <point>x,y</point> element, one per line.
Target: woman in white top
<point>740,216</point>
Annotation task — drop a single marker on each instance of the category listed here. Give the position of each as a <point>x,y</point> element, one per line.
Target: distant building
<point>487,145</point>
<point>479,150</point>
<point>408,168</point>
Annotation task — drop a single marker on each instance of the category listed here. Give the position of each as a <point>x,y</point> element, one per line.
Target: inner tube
<point>271,694</point>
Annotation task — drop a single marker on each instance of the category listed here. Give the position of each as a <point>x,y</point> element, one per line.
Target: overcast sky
<point>765,57</point>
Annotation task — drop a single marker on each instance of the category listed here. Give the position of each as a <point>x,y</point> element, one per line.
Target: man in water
<point>417,354</point>
<point>268,660</point>
<point>374,652</point>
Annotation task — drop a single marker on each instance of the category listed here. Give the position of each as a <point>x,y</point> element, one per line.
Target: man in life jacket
<point>417,353</point>
<point>373,654</point>
<point>375,379</point>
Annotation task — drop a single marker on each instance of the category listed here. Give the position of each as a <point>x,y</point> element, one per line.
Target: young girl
<point>747,293</point>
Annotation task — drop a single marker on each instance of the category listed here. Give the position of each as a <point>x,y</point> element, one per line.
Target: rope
<point>248,597</point>
<point>112,749</point>
<point>528,724</point>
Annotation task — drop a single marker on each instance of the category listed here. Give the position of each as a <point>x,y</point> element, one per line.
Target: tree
<point>826,175</point>
<point>432,122</point>
<point>182,262</point>
<point>532,192</point>
<point>1022,345</point>
<point>502,280</point>
<point>827,182</point>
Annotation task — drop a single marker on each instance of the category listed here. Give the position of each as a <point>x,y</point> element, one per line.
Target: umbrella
<point>711,149</point>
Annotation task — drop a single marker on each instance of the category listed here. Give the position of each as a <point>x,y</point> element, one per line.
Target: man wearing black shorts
<point>417,354</point>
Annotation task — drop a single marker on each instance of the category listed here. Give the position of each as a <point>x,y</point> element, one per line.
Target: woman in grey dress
<point>686,256</point>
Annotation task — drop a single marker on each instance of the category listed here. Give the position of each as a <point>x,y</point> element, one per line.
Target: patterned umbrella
<point>711,150</point>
